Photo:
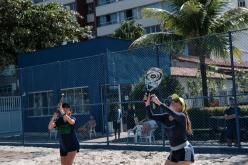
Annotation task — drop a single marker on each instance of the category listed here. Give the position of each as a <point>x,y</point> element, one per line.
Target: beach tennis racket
<point>153,78</point>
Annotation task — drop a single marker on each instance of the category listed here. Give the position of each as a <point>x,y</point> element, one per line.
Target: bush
<point>200,117</point>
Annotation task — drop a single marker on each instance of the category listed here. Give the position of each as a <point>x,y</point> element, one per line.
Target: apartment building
<point>70,4</point>
<point>86,8</point>
<point>242,3</point>
<point>106,15</point>
<point>110,13</point>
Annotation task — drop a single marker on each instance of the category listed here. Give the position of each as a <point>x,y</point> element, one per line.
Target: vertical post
<point>157,55</point>
<point>234,89</point>
<point>119,100</point>
<point>159,93</point>
<point>23,94</point>
<point>105,96</point>
<point>60,78</point>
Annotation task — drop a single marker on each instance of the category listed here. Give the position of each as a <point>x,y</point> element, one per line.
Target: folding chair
<point>135,133</point>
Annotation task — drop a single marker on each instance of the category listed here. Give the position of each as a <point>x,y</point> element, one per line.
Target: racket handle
<point>152,105</point>
<point>60,100</point>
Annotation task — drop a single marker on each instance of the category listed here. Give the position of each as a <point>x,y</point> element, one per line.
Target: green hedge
<point>200,117</point>
<point>215,111</point>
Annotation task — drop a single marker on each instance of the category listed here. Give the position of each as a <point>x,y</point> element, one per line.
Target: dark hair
<point>65,105</point>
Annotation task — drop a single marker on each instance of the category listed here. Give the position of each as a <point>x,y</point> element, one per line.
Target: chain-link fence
<point>106,93</point>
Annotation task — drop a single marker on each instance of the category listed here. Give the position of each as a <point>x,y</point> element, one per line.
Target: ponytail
<point>188,124</point>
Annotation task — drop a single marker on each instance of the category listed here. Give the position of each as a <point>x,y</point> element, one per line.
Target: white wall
<point>122,5</point>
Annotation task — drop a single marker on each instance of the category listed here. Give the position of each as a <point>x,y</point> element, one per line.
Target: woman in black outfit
<point>177,126</point>
<point>68,141</point>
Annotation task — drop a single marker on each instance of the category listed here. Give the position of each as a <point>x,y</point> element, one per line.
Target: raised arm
<point>150,114</point>
<point>51,124</point>
<point>66,117</point>
<point>178,116</point>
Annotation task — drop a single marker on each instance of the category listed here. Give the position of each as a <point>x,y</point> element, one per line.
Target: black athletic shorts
<point>64,153</point>
<point>184,154</point>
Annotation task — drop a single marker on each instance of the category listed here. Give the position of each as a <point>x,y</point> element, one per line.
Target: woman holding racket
<point>177,126</point>
<point>68,141</point>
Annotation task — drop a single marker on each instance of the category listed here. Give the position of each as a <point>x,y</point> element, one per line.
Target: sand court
<point>18,155</point>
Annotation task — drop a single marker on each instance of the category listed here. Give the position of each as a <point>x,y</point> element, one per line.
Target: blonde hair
<point>188,122</point>
<point>184,110</point>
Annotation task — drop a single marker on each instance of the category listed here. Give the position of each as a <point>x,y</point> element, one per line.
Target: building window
<point>107,19</point>
<point>241,3</point>
<point>155,5</point>
<point>104,2</point>
<point>90,8</point>
<point>37,1</point>
<point>78,98</point>
<point>152,29</point>
<point>41,103</point>
<point>71,6</point>
<point>5,90</point>
<point>128,14</point>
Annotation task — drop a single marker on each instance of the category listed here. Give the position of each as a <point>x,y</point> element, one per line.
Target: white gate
<point>10,114</point>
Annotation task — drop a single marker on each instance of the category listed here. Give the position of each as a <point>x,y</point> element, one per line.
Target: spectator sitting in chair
<point>84,129</point>
<point>149,125</point>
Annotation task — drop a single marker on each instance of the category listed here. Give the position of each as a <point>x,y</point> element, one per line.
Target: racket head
<point>153,78</point>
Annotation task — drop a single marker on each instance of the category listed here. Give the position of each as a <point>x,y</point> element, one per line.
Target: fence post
<point>159,93</point>
<point>234,89</point>
<point>157,55</point>
<point>22,96</point>
<point>106,127</point>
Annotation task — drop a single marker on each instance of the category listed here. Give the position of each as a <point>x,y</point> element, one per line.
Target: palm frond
<point>236,52</point>
<point>176,3</point>
<point>155,38</point>
<point>216,7</point>
<point>218,45</point>
<point>230,20</point>
<point>191,7</point>
<point>156,13</point>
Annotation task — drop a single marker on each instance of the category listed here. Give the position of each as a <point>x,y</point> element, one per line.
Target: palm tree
<point>129,30</point>
<point>195,18</point>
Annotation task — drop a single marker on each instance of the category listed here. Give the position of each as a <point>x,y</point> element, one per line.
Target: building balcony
<point>107,29</point>
<point>122,5</point>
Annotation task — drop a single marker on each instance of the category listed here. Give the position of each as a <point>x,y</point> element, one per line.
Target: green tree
<point>129,30</point>
<point>26,27</point>
<point>241,80</point>
<point>194,18</point>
